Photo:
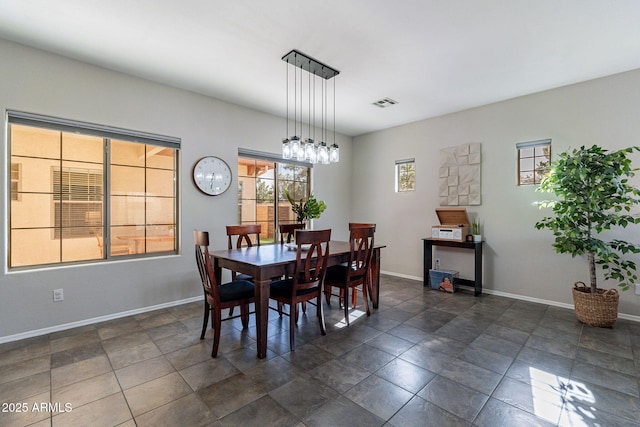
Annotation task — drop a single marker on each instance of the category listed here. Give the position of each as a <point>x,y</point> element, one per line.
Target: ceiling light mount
<point>309,64</point>
<point>317,101</point>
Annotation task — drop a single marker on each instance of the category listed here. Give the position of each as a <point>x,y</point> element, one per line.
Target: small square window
<point>534,159</point>
<point>405,175</point>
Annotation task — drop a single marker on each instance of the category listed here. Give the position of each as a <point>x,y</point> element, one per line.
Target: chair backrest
<point>205,268</point>
<point>361,225</point>
<point>311,263</point>
<point>244,233</point>
<point>289,230</point>
<point>361,241</point>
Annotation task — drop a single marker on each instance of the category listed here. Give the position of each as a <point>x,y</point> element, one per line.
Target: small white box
<point>454,225</point>
<point>442,233</point>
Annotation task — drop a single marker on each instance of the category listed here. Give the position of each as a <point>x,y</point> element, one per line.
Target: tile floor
<point>424,358</point>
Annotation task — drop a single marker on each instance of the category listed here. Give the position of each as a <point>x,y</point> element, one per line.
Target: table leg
<point>374,276</point>
<point>427,262</point>
<point>478,270</point>
<point>262,315</point>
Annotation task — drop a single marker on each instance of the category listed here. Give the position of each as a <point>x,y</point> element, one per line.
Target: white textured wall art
<point>460,175</point>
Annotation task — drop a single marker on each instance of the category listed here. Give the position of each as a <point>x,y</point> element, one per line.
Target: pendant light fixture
<point>309,149</point>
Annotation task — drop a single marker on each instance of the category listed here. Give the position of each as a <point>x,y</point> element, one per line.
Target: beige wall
<point>43,83</point>
<point>519,260</point>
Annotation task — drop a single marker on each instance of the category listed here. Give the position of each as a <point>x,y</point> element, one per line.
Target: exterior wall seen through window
<point>79,197</point>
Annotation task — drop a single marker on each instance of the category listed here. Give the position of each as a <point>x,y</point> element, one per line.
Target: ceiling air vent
<point>385,102</point>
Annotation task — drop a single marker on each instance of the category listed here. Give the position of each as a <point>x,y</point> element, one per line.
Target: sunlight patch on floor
<point>580,409</point>
<point>550,392</point>
<point>353,316</point>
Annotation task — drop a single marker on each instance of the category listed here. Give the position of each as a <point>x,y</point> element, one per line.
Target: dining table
<point>266,262</point>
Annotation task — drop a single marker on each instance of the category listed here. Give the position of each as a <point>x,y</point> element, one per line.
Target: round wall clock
<point>212,175</point>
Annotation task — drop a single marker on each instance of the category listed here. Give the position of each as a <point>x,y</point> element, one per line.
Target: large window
<point>82,192</point>
<point>260,179</point>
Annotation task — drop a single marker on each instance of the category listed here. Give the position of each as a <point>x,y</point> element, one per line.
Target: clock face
<point>212,175</point>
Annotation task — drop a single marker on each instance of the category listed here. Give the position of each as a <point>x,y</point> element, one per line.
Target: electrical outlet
<point>437,263</point>
<point>637,288</point>
<point>58,295</point>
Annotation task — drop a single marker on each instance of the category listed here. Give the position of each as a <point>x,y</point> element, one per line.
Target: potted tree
<point>593,195</point>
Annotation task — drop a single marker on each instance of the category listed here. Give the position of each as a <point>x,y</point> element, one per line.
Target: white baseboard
<point>631,317</point>
<point>65,326</point>
<point>404,276</point>
<point>553,303</point>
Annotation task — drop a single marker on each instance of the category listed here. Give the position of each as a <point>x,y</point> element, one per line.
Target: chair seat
<point>283,288</point>
<point>338,273</point>
<point>236,290</point>
<point>242,276</point>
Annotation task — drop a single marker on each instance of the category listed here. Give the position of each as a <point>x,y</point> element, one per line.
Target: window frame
<point>107,134</point>
<point>399,165</point>
<point>278,202</point>
<point>537,175</point>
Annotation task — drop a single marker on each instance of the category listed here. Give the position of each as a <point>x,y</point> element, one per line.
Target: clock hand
<point>212,177</point>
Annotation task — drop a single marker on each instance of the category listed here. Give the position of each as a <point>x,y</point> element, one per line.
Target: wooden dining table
<point>266,262</point>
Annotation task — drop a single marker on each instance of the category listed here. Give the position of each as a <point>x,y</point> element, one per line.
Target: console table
<point>476,283</point>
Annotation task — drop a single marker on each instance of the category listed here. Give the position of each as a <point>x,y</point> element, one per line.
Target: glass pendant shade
<point>334,153</point>
<point>295,146</point>
<point>301,152</point>
<point>303,149</point>
<point>309,148</point>
<point>286,148</point>
<point>314,157</point>
<point>323,153</point>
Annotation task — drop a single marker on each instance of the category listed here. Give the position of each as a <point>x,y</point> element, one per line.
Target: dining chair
<point>305,284</point>
<point>116,249</point>
<point>354,295</point>
<point>356,271</point>
<point>245,235</point>
<point>289,231</point>
<point>218,297</point>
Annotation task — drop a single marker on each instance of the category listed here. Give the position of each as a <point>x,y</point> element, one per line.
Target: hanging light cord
<point>287,82</point>
<point>309,99</point>
<point>295,98</point>
<point>334,111</point>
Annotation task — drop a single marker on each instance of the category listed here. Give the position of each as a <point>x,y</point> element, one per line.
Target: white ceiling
<point>432,56</point>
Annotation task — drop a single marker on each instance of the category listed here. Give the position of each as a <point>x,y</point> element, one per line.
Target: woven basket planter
<point>599,309</point>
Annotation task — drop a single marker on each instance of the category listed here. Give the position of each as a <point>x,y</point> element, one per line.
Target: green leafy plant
<point>593,195</point>
<point>304,211</point>
<point>475,226</point>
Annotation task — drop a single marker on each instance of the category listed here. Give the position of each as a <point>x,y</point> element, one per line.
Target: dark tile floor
<point>424,358</point>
